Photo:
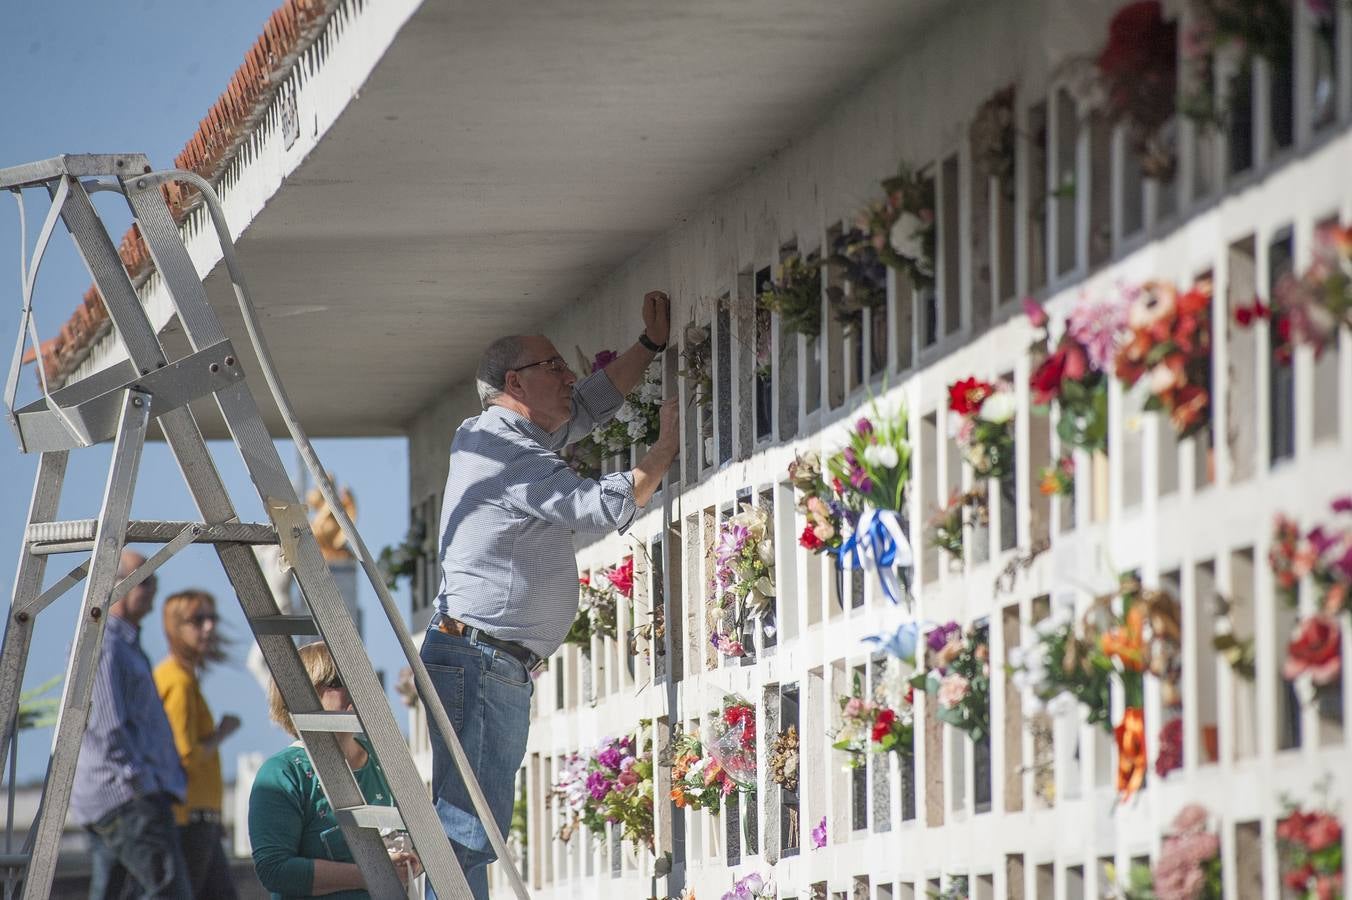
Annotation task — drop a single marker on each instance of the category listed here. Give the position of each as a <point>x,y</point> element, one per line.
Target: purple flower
<point>598,785</point>
<point>937,639</point>
<point>611,757</point>
<point>863,426</point>
<point>603,359</point>
<point>860,480</point>
<point>819,835</point>
<point>1343,504</point>
<point>850,458</point>
<point>1099,326</point>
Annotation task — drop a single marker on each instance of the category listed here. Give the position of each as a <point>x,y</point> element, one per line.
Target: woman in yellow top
<point>190,625</point>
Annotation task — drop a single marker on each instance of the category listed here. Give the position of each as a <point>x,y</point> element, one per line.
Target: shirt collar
<point>519,422</point>
<point>123,630</point>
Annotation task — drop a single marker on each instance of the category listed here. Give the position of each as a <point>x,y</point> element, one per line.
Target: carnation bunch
<point>612,784</point>
<point>743,583</point>
<point>1324,553</point>
<point>1311,308</point>
<point>984,424</point>
<point>1073,374</point>
<point>697,779</point>
<point>1169,348</point>
<point>819,503</point>
<point>874,725</point>
<point>1311,849</point>
<point>959,676</point>
<point>1189,864</point>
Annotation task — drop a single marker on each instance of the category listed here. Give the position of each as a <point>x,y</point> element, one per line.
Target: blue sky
<point>87,77</point>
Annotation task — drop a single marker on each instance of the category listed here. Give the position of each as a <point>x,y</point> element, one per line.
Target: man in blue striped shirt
<point>129,774</point>
<point>509,574</point>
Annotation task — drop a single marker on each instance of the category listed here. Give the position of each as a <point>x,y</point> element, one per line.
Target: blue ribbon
<point>879,542</point>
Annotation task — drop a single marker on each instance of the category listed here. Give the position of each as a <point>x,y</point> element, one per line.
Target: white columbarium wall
<point>1190,516</point>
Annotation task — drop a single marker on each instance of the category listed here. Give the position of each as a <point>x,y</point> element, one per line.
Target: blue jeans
<point>487,694</point>
<point>136,846</point>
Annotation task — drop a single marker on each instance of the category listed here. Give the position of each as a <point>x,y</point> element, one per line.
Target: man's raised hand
<point>657,316</point>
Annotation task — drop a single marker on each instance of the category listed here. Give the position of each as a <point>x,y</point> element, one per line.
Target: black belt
<point>455,628</point>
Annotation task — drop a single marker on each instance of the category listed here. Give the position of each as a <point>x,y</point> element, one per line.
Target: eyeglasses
<point>556,364</point>
<point>332,684</point>
<point>202,619</point>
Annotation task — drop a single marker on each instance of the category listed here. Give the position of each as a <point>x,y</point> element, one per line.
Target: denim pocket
<point>450,684</point>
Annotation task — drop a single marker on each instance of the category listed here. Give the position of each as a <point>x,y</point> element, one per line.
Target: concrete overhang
<point>501,157</point>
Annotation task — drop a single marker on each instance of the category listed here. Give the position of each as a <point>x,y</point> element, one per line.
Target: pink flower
<point>1099,326</point>
<point>952,689</point>
<point>1037,316</point>
<point>819,835</point>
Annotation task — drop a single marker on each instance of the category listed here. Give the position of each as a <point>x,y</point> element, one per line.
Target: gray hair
<point>501,355</point>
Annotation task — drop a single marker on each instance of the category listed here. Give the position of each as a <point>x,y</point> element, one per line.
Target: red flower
<point>1316,648</point>
<point>1247,315</point>
<point>584,579</point>
<point>809,539</point>
<point>1297,878</point>
<point>882,726</point>
<point>1323,832</point>
<point>622,577</point>
<point>1171,748</point>
<point>1046,380</point>
<point>966,396</point>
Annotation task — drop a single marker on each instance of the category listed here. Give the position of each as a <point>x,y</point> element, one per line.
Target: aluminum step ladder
<point>120,404</point>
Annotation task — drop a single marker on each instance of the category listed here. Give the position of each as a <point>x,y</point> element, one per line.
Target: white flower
<point>998,407</point>
<point>636,429</point>
<point>881,456</point>
<point>626,412</point>
<point>905,236</point>
<point>766,553</point>
<point>1060,705</point>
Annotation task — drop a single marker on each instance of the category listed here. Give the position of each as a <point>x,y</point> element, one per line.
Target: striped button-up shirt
<point>128,749</point>
<point>508,517</point>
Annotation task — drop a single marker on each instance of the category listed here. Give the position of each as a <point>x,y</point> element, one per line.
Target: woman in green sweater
<point>298,848</point>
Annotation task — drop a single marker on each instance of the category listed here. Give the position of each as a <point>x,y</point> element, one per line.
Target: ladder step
<point>380,817</point>
<point>293,625</point>
<point>78,534</point>
<point>327,721</point>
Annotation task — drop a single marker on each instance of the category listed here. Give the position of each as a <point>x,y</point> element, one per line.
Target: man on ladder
<point>509,575</point>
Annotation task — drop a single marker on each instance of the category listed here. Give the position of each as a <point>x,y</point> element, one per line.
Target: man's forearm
<point>626,370</point>
<point>649,471</point>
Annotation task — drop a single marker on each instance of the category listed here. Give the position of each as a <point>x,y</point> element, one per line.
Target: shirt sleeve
<point>544,487</point>
<point>595,402</point>
<point>277,811</point>
<point>109,717</point>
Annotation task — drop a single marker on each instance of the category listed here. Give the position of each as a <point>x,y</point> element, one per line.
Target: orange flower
<point>1125,643</point>
<point>678,797</point>
<point>1130,736</point>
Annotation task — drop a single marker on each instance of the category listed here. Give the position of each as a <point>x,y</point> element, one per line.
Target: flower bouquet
<point>993,136</point>
<point>858,261</point>
<point>1139,70</point>
<point>1064,665</point>
<point>959,677</point>
<point>796,294</point>
<point>1073,374</point>
<point>1189,864</point>
<point>637,420</point>
<point>901,228</point>
<point>1170,348</point>
<point>1315,649</point>
<point>984,425</point>
<point>697,780</point>
<point>874,726</point>
<point>751,887</point>
<point>730,739</point>
<point>1311,849</point>
<point>697,362</point>
<point>1324,553</point>
<point>870,475</point>
<point>1058,479</point>
<point>596,614</point>
<point>612,784</point>
<point>945,526</point>
<point>744,577</point>
<point>1311,308</point>
<point>819,504</point>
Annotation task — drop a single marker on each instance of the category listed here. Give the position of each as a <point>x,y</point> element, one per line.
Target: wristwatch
<point>650,344</point>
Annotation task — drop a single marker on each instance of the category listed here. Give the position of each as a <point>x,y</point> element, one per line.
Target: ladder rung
<point>381,817</point>
<point>77,534</point>
<point>327,721</point>
<point>293,625</point>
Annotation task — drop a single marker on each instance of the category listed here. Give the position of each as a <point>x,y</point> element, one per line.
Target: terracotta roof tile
<point>207,153</point>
